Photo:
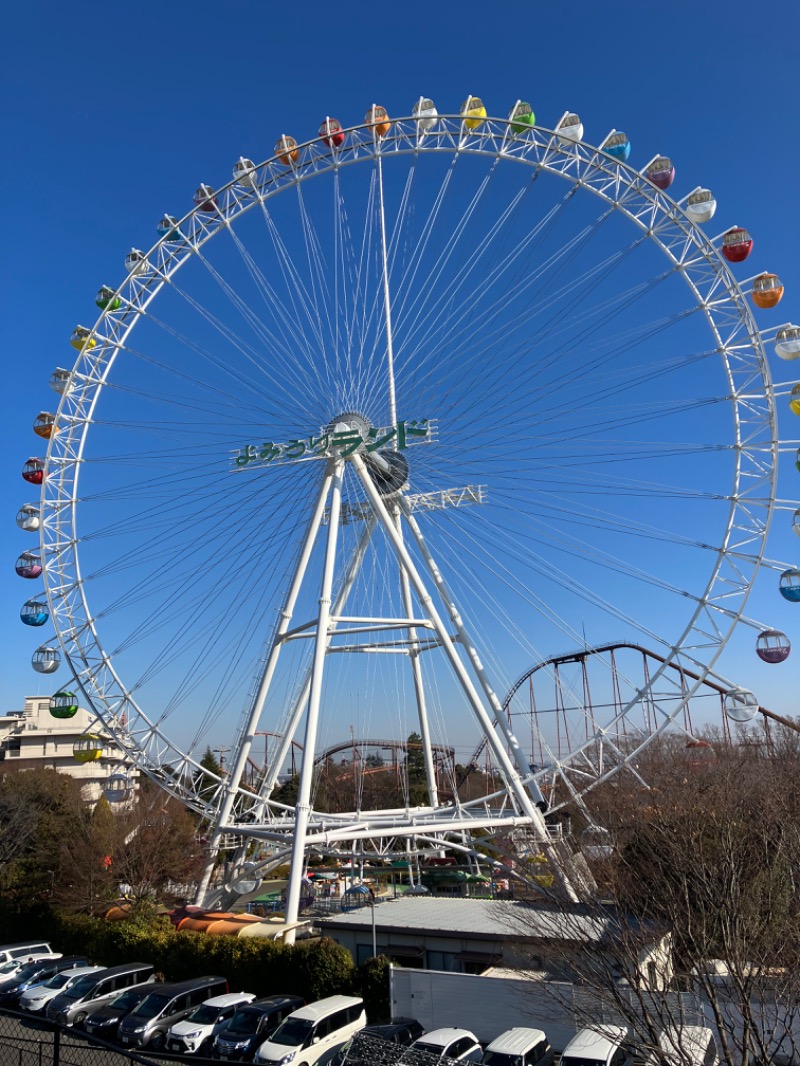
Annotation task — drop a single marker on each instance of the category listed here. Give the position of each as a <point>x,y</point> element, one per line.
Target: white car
<point>36,999</point>
<point>458,1044</point>
<point>13,966</point>
<point>197,1029</point>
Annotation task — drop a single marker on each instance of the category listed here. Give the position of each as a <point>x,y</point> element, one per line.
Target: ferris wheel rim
<point>589,163</point>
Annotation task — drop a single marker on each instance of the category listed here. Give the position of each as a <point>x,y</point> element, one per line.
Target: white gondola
<point>425,113</point>
<point>700,206</point>
<point>741,706</point>
<point>787,342</point>
<point>28,517</point>
<point>46,659</point>
<point>245,172</point>
<point>570,128</point>
<point>118,788</point>
<point>59,380</point>
<point>135,261</point>
<point>596,843</point>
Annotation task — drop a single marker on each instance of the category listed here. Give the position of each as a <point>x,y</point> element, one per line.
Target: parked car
<point>519,1047</point>
<point>201,1025</point>
<point>25,948</point>
<point>147,1024</point>
<point>80,999</point>
<point>104,1021</point>
<point>39,999</point>
<point>35,974</point>
<point>10,969</point>
<point>695,1044</point>
<point>607,1045</point>
<point>251,1026</point>
<point>403,1031</point>
<point>458,1044</point>
<point>314,1032</point>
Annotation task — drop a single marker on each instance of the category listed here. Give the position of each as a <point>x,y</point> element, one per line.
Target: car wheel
<point>157,1041</point>
<point>79,1019</point>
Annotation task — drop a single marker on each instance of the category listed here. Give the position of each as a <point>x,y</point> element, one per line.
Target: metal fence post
<point>56,1047</point>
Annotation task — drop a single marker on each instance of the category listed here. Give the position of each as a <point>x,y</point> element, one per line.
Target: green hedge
<point>311,968</point>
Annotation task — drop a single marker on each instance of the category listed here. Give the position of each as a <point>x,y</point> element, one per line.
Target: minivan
<point>201,1025</point>
<point>104,1021</point>
<point>72,1005</point>
<point>315,1032</point>
<point>23,949</point>
<point>252,1026</point>
<point>519,1047</point>
<point>688,1044</point>
<point>605,1046</point>
<point>460,1045</point>
<point>148,1023</point>
<point>39,998</point>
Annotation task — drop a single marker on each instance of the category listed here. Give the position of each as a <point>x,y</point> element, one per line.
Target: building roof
<point>474,918</point>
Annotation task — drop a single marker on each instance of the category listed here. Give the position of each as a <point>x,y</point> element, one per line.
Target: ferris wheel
<point>380,422</point>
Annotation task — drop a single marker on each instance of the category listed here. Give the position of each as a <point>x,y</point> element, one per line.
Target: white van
<point>314,1033</point>
<point>36,948</point>
<point>198,1028</point>
<point>519,1047</point>
<point>607,1045</point>
<point>688,1045</point>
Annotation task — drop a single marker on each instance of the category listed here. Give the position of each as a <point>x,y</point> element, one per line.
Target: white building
<point>32,738</point>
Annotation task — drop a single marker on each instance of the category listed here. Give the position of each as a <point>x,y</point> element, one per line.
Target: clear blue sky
<point>115,113</point>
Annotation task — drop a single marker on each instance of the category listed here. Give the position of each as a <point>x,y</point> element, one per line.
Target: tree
<point>710,854</point>
<point>415,771</point>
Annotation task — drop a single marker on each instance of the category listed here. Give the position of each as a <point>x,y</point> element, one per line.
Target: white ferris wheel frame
<point>660,218</point>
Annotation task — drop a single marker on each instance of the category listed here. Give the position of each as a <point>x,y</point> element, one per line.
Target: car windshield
<point>126,1001</point>
<point>204,1014</point>
<point>244,1023</point>
<point>82,987</point>
<point>497,1058</point>
<point>432,1049</point>
<point>152,1005</point>
<point>31,970</point>
<point>293,1032</point>
<point>61,980</point>
<point>577,1061</point>
<point>9,968</point>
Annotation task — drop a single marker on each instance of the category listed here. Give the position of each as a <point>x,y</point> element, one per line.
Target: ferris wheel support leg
<point>321,640</point>
<point>416,670</point>
<point>520,793</point>
<point>350,575</point>
<point>248,732</point>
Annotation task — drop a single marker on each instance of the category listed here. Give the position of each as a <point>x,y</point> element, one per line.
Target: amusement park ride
<point>386,400</point>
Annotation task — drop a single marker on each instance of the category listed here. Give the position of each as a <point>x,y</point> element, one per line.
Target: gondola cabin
<point>205,199</point>
<point>740,705</point>
<point>701,206</point>
<point>617,145</point>
<point>46,659</point>
<point>737,244</point>
<point>767,290</point>
<point>286,150</point>
<point>28,518</point>
<point>63,704</point>
<point>34,613</point>
<point>473,112</point>
<point>59,380</point>
<point>332,133</point>
<point>794,400</point>
<point>167,229</point>
<point>33,471</point>
<point>82,339</point>
<point>117,788</point>
<point>88,748</point>
<point>106,300</point>
<point>44,425</point>
<point>660,172</point>
<point>378,118</point>
<point>772,646</point>
<point>570,128</point>
<point>790,585</point>
<point>787,342</point>
<point>425,114</point>
<point>522,118</point>
<point>244,171</point>
<point>135,261</point>
<point>29,565</point>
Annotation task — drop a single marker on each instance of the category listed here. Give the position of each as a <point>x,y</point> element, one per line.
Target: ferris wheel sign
<point>338,442</point>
